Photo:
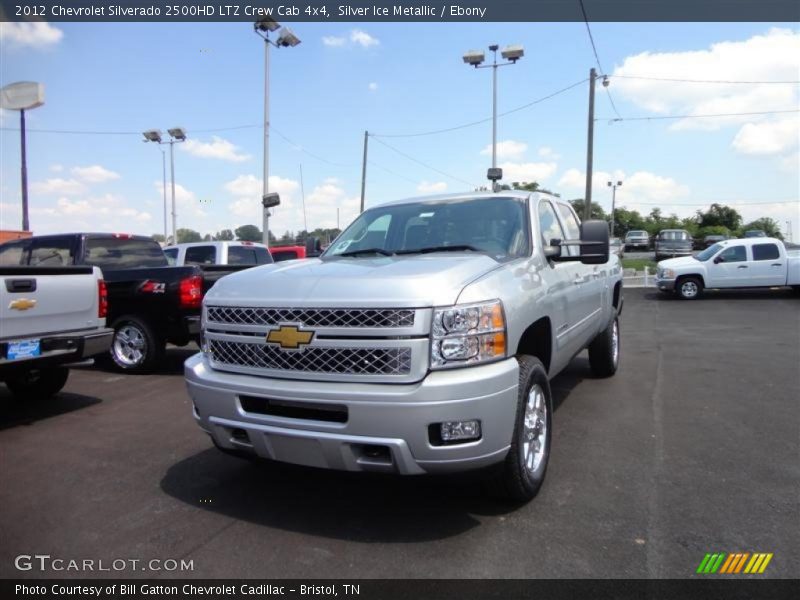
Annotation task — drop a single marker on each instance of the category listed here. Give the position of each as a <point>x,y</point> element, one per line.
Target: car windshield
<point>674,235</point>
<point>496,226</point>
<point>709,252</point>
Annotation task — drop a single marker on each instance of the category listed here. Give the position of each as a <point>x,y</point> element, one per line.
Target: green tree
<point>207,237</point>
<point>188,235</point>
<point>719,215</point>
<point>226,235</point>
<point>159,237</point>
<point>627,220</point>
<point>766,224</point>
<point>287,239</point>
<point>248,233</point>
<point>597,211</point>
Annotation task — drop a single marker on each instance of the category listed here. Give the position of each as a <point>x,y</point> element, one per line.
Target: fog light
<point>460,430</point>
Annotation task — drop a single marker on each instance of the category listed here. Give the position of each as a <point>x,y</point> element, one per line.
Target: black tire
<point>38,384</point>
<point>604,351</point>
<point>689,288</point>
<point>513,480</point>
<point>135,347</point>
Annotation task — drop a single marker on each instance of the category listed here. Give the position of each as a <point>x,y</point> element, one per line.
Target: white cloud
<point>217,148</point>
<point>247,190</point>
<point>357,36</point>
<point>547,152</point>
<point>57,187</point>
<point>778,136</point>
<point>31,35</point>
<point>333,41</point>
<point>372,86</point>
<point>190,211</point>
<point>94,174</point>
<point>56,168</point>
<point>436,187</point>
<point>507,149</point>
<point>527,172</point>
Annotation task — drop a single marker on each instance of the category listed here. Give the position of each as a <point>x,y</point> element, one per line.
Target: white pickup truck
<point>422,341</point>
<point>50,318</point>
<point>739,263</point>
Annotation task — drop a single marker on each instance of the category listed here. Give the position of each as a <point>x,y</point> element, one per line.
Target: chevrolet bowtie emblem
<point>289,336</point>
<point>22,304</point>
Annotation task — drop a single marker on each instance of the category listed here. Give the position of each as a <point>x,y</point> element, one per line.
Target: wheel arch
<point>537,340</point>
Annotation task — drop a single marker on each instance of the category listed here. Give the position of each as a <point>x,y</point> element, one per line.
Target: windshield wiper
<point>367,251</point>
<point>458,248</point>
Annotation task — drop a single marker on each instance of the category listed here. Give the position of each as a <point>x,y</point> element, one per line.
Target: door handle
<point>742,267</point>
<point>777,264</point>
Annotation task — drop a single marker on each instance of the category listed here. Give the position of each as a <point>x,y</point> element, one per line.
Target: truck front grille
<point>341,361</point>
<point>313,317</point>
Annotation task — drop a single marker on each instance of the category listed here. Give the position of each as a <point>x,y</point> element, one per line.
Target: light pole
<point>286,39</point>
<point>613,187</point>
<point>164,189</point>
<point>474,58</point>
<point>176,136</point>
<point>22,96</point>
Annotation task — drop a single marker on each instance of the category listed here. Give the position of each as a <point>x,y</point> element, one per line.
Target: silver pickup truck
<point>422,341</point>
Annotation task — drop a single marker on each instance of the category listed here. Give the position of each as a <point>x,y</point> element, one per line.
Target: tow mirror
<point>593,244</point>
<point>718,260</point>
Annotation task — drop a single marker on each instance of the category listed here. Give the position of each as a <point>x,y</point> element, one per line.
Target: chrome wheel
<point>534,429</point>
<point>129,346</point>
<point>689,289</point>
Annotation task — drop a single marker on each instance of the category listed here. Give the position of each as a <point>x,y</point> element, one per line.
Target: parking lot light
<point>176,135</point>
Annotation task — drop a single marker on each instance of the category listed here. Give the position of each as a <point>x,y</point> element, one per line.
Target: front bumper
<point>667,285</point>
<point>386,427</point>
<point>60,349</point>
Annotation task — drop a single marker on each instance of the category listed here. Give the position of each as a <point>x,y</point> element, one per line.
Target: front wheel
<point>604,351</point>
<point>689,288</point>
<point>135,347</point>
<point>38,384</point>
<point>521,475</point>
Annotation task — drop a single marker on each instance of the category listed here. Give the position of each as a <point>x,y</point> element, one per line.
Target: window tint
<point>549,225</point>
<point>201,255</point>
<point>281,255</point>
<point>124,253</point>
<point>573,229</point>
<point>51,252</point>
<point>765,252</point>
<point>248,255</point>
<point>734,254</point>
<point>12,253</point>
<point>172,255</point>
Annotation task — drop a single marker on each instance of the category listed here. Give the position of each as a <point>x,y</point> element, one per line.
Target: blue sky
<point>390,79</point>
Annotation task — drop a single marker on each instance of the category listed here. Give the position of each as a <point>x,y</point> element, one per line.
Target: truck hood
<point>407,281</point>
<point>680,262</point>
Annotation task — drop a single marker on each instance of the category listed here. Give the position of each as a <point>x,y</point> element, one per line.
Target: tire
<point>604,351</point>
<point>135,347</point>
<point>521,475</point>
<point>689,288</point>
<point>38,384</point>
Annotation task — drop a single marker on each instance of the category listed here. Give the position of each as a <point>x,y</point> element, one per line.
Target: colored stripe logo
<point>734,563</point>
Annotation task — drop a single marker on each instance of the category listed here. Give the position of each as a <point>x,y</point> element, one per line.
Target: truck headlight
<point>468,334</point>
<point>667,274</point>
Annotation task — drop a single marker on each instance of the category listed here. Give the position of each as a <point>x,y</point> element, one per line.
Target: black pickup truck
<point>149,302</point>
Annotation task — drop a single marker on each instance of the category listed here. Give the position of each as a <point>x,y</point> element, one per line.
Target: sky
<point>392,79</point>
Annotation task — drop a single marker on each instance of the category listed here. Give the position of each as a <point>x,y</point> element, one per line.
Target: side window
<point>51,252</point>
<point>734,254</point>
<point>262,256</point>
<point>240,255</point>
<point>11,254</point>
<point>200,255</point>
<point>548,223</point>
<point>172,256</point>
<point>572,227</point>
<point>765,252</point>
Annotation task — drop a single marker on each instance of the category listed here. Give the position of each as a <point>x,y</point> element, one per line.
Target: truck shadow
<point>746,294</point>
<point>171,363</point>
<point>363,507</point>
<point>14,412</point>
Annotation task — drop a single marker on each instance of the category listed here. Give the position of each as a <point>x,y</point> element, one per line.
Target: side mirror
<point>594,242</point>
<point>718,260</point>
<point>552,252</point>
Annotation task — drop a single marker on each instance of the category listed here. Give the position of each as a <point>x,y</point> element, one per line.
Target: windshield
<point>492,225</point>
<point>709,252</point>
<point>674,235</point>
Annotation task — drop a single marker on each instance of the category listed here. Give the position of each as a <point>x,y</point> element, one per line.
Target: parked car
<point>754,233</point>
<point>312,248</point>
<point>710,240</point>
<point>617,247</point>
<point>52,317</point>
<point>149,302</point>
<point>673,242</point>
<point>744,263</point>
<point>218,253</point>
<point>637,239</point>
<point>431,351</point>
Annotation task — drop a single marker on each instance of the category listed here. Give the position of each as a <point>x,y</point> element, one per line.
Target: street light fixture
<point>22,96</point>
<point>286,39</point>
<point>613,187</point>
<point>475,59</point>
<point>176,136</point>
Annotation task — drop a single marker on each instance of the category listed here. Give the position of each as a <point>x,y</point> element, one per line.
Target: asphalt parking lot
<point>691,448</point>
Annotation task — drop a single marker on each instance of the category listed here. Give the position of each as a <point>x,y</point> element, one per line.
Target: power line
<point>311,154</point>
<point>661,117</point>
<point>677,80</point>
<point>486,120</point>
<point>419,162</point>
<point>597,59</point>
<point>374,164</point>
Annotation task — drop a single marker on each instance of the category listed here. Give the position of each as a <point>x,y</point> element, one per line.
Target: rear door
<point>768,267</point>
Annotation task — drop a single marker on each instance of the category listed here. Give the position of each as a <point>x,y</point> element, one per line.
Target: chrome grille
<point>343,361</point>
<point>313,317</point>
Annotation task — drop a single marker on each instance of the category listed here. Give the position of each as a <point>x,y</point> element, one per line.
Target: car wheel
<point>689,288</point>
<point>521,475</point>
<point>38,384</point>
<point>135,348</point>
<point>604,351</point>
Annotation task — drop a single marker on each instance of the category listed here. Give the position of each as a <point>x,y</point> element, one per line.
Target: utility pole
<point>24,172</point>
<point>164,189</point>
<point>364,170</point>
<point>587,209</point>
